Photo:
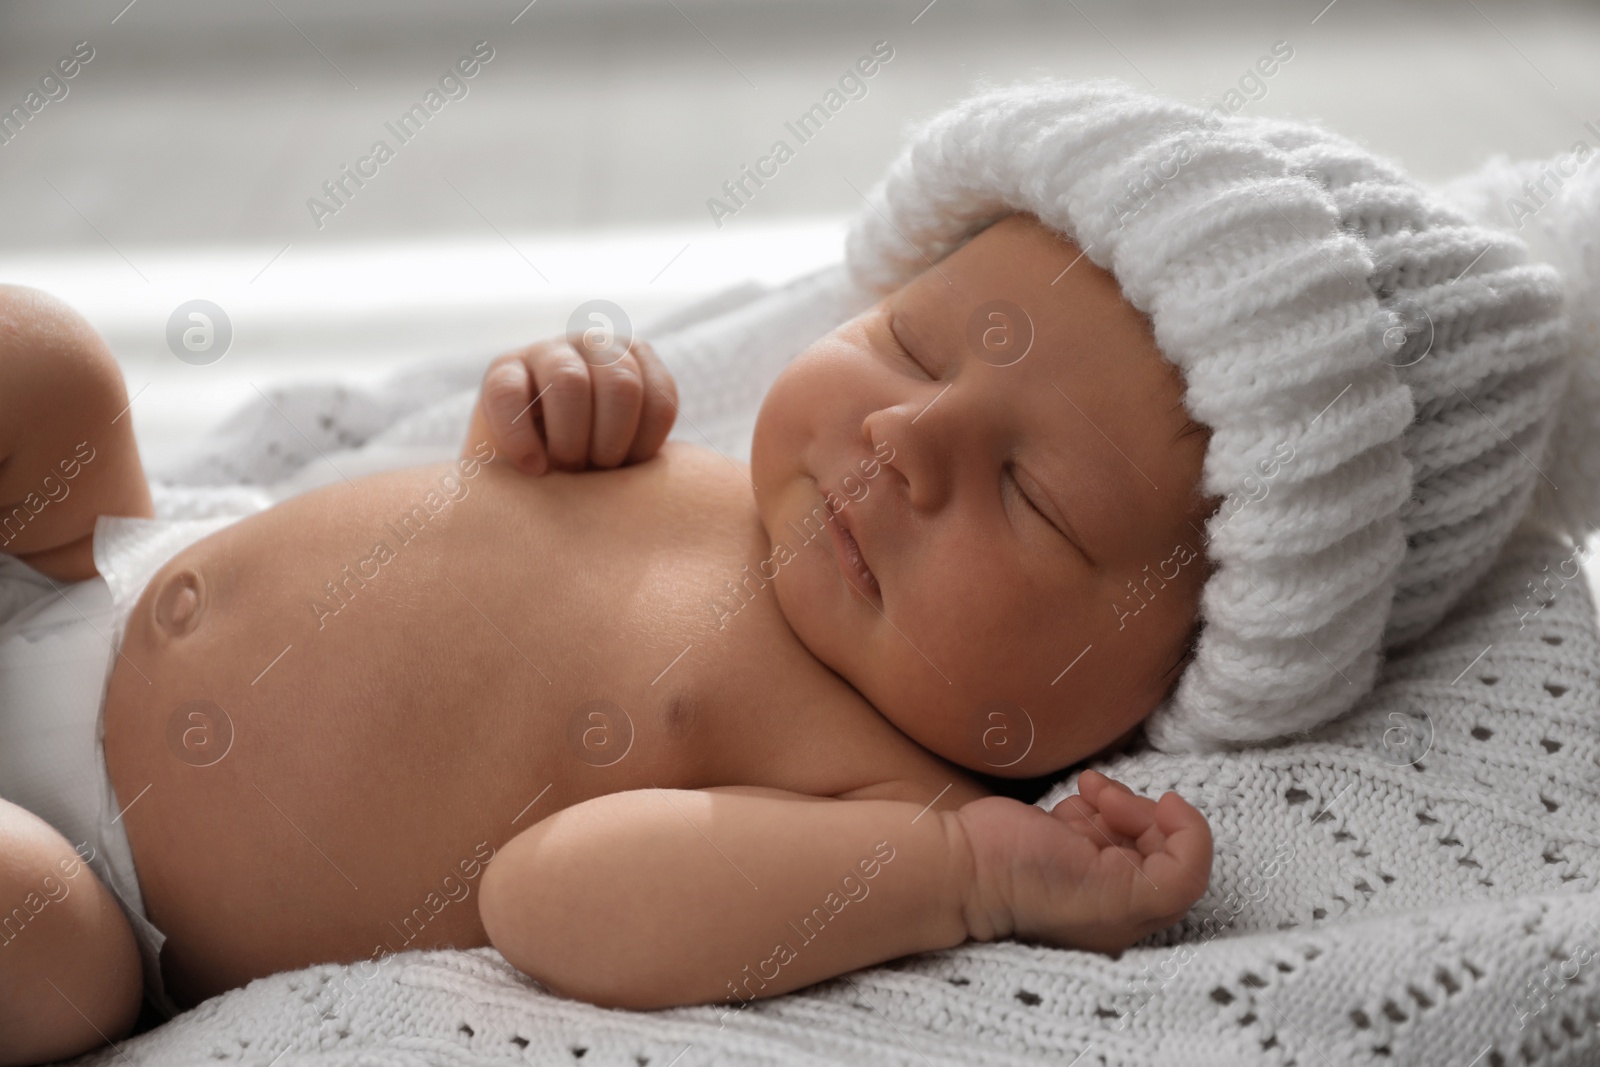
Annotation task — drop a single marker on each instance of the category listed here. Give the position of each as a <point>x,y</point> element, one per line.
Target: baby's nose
<point>916,443</point>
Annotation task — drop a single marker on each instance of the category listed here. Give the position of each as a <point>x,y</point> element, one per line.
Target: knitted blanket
<point>1416,883</point>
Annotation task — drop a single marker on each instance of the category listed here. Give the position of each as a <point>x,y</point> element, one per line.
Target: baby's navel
<point>178,604</point>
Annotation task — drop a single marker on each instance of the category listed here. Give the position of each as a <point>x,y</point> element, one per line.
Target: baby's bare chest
<point>604,615</point>
<point>455,677</point>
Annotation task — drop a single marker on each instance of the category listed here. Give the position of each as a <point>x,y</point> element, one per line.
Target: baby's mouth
<point>851,562</point>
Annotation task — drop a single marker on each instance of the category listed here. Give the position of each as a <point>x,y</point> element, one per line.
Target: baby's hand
<point>1105,868</point>
<point>551,406</point>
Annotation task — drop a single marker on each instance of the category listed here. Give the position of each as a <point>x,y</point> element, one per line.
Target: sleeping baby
<point>665,728</point>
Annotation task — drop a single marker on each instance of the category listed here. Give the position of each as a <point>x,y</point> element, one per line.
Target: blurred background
<point>187,156</point>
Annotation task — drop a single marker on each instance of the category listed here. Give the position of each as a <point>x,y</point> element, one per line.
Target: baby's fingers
<point>1175,816</point>
<point>1127,812</point>
<point>507,402</point>
<point>561,381</point>
<point>618,387</point>
<point>1184,859</point>
<point>659,407</point>
<point>1080,813</point>
<point>1104,794</point>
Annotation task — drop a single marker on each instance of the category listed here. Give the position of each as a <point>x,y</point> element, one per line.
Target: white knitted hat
<point>1319,303</point>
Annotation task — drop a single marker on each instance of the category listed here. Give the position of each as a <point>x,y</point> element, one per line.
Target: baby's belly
<point>389,679</point>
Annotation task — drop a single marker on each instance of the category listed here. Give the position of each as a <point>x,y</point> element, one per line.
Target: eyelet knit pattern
<point>1270,261</point>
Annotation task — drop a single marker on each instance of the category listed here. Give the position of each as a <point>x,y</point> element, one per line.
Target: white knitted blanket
<point>1417,883</point>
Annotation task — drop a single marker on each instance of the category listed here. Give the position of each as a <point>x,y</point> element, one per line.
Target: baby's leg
<point>67,454</point>
<point>70,977</point>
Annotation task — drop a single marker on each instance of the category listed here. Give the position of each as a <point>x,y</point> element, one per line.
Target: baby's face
<point>1003,501</point>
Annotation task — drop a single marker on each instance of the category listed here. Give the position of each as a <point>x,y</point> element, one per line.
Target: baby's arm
<point>652,898</point>
<point>67,453</point>
<point>559,405</point>
<point>657,897</point>
<point>69,969</point>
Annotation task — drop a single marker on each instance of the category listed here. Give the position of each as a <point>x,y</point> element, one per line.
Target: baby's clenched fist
<point>1102,870</point>
<point>558,405</point>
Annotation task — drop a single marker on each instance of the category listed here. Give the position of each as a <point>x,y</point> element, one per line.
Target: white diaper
<point>58,646</point>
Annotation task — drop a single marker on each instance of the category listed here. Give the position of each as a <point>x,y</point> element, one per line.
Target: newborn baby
<point>685,730</point>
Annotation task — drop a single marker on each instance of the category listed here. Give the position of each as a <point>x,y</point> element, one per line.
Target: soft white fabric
<point>55,659</point>
<point>58,647</point>
<point>54,652</point>
<point>1417,883</point>
<point>1380,373</point>
<point>1559,218</point>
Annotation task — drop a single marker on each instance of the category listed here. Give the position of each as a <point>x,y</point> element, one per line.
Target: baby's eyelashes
<point>903,352</point>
